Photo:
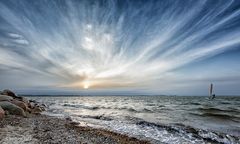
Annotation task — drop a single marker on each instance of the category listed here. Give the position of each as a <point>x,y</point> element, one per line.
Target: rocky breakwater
<point>12,104</point>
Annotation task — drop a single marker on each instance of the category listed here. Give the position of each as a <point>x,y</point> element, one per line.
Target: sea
<point>159,119</point>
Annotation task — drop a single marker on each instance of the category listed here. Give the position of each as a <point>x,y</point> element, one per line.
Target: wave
<point>120,108</point>
<point>130,109</point>
<point>191,103</point>
<point>159,126</point>
<point>55,111</point>
<point>161,106</point>
<point>225,103</point>
<point>211,109</point>
<point>133,119</point>
<point>217,110</point>
<point>98,117</point>
<point>81,106</point>
<point>183,130</point>
<point>151,104</point>
<point>221,116</point>
<point>147,110</point>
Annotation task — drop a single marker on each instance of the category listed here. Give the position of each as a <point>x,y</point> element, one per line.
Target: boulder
<point>5,98</point>
<point>25,100</point>
<point>12,108</point>
<point>31,105</point>
<point>2,113</point>
<point>20,104</point>
<point>36,110</point>
<point>32,101</point>
<point>9,93</point>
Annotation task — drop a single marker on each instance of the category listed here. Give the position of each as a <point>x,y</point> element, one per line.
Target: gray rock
<point>36,110</point>
<point>5,98</point>
<point>21,104</point>
<point>12,109</point>
<point>2,113</point>
<point>9,93</point>
<point>25,100</point>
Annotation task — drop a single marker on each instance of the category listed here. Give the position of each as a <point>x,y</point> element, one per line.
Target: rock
<point>42,108</point>
<point>31,105</point>
<point>12,109</point>
<point>36,110</point>
<point>32,101</point>
<point>7,113</point>
<point>25,100</point>
<point>68,118</point>
<point>20,104</point>
<point>74,123</point>
<point>9,93</point>
<point>5,98</point>
<point>2,113</point>
<point>43,105</point>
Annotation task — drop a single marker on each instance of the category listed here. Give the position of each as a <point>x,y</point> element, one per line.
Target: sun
<point>86,86</point>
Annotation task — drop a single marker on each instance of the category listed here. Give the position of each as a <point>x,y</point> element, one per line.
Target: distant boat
<point>211,94</point>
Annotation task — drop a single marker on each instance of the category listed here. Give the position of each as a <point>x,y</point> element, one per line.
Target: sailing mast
<point>211,95</point>
<point>210,90</point>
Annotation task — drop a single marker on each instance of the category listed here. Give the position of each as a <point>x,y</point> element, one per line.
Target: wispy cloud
<point>109,44</point>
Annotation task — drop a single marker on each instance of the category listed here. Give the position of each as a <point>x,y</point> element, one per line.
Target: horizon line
<point>72,95</point>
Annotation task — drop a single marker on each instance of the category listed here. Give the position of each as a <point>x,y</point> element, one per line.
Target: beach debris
<point>2,113</point>
<point>12,108</point>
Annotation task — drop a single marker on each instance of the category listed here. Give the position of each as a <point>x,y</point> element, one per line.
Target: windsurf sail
<point>211,95</point>
<point>210,90</point>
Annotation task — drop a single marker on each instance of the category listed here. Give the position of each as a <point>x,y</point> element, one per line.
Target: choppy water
<point>160,119</point>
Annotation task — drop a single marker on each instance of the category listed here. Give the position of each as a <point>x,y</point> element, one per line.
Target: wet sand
<point>37,129</point>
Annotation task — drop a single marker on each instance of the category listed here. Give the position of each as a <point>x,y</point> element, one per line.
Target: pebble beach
<point>32,127</point>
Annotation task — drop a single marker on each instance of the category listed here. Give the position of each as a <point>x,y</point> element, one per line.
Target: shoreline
<point>47,129</point>
<point>21,121</point>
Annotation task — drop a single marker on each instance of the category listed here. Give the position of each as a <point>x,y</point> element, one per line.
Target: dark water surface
<point>161,119</point>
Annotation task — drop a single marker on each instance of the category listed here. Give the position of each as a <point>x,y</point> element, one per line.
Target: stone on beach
<point>31,105</point>
<point>9,93</point>
<point>12,108</point>
<point>36,110</point>
<point>5,98</point>
<point>2,113</point>
<point>20,104</point>
<point>25,100</point>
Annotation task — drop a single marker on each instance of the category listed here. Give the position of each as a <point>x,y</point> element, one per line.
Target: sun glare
<point>86,86</point>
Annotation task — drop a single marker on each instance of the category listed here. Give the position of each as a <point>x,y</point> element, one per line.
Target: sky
<point>169,47</point>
